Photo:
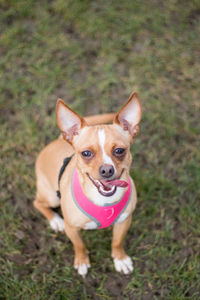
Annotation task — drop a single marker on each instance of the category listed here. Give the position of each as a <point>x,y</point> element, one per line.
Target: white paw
<point>124,265</point>
<point>57,223</point>
<point>82,269</point>
<point>90,225</point>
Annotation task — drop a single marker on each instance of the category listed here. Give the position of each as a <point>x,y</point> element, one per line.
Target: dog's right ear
<point>69,122</point>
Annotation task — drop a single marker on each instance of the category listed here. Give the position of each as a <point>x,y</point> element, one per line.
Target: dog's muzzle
<point>107,188</point>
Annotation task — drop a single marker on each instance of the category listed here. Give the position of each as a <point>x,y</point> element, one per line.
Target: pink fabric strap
<point>103,216</point>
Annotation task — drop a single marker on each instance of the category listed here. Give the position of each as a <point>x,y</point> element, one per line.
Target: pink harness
<point>103,216</point>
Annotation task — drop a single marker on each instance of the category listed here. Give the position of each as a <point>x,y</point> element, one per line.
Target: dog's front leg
<point>122,262</point>
<point>81,259</point>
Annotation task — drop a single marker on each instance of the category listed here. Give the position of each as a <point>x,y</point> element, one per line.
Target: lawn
<point>93,54</point>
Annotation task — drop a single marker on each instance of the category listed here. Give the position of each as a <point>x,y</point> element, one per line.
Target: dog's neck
<point>93,195</point>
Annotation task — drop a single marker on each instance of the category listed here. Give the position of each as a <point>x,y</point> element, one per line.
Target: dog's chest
<point>100,216</point>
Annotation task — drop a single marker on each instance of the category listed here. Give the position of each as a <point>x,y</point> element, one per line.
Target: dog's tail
<point>100,119</point>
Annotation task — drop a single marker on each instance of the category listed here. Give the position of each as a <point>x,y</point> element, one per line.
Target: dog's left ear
<point>69,122</point>
<point>130,115</point>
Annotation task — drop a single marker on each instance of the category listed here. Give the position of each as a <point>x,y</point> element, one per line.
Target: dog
<point>93,185</point>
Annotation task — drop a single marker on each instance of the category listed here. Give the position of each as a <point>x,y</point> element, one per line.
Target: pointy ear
<point>130,115</point>
<point>69,122</point>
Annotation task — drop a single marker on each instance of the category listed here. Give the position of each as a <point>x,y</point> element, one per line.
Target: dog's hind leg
<point>46,198</point>
<point>46,211</point>
<point>55,221</point>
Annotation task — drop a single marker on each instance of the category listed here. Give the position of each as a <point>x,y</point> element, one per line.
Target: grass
<point>93,54</point>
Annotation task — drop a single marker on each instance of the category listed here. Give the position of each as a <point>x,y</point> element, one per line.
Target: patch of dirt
<point>116,284</point>
<point>193,16</point>
<point>37,248</point>
<point>8,114</point>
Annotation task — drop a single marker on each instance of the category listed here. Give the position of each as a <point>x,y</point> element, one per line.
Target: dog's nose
<point>106,171</point>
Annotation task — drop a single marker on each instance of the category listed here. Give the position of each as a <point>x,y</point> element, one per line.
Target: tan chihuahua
<point>93,185</point>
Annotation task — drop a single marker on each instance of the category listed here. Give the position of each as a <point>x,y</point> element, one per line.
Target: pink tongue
<point>117,182</point>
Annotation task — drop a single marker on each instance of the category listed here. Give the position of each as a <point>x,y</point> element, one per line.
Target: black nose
<point>106,171</point>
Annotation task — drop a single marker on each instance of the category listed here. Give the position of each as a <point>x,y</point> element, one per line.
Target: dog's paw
<point>82,264</point>
<point>57,223</point>
<point>124,265</point>
<point>82,269</point>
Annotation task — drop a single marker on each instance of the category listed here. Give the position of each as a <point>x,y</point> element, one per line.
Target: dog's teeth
<point>111,190</point>
<point>97,182</point>
<point>99,185</point>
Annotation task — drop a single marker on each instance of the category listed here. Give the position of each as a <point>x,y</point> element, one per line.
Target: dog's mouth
<point>108,187</point>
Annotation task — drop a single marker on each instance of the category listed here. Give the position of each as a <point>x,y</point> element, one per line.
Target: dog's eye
<point>87,153</point>
<point>119,152</point>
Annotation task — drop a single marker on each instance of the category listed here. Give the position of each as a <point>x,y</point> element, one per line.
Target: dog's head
<point>102,151</point>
